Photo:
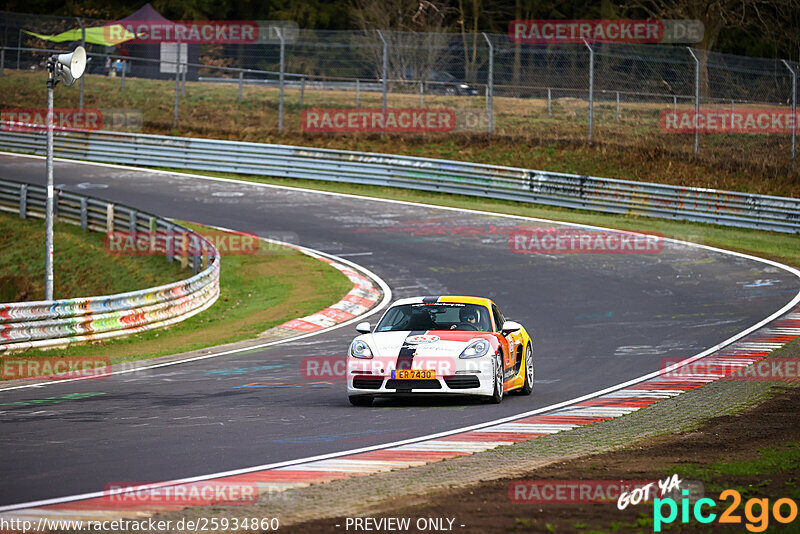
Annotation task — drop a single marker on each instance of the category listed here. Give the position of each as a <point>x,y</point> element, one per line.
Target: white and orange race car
<point>440,345</point>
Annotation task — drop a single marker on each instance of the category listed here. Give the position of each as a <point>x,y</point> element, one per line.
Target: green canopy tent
<point>100,35</point>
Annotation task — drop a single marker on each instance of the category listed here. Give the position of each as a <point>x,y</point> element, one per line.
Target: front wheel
<point>527,387</point>
<point>497,393</point>
<point>360,400</point>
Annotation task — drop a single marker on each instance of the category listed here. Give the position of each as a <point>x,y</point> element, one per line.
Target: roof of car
<point>462,299</point>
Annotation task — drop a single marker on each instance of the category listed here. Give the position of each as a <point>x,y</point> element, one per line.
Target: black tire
<point>360,400</point>
<point>527,387</point>
<point>497,394</point>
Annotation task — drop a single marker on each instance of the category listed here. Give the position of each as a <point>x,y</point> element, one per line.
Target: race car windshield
<point>438,316</point>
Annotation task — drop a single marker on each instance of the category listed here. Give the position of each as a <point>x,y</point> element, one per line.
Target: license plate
<point>413,374</point>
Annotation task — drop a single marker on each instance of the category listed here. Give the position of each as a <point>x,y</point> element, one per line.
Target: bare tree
<point>717,15</point>
<point>415,32</point>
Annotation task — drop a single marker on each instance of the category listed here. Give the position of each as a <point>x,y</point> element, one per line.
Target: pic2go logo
<point>756,511</point>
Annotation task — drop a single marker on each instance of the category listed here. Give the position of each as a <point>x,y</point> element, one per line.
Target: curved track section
<point>598,320</point>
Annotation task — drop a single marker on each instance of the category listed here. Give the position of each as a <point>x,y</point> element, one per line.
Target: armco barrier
<point>25,325</point>
<point>727,208</point>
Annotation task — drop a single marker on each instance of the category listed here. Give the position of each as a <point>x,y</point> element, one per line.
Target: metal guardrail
<point>728,208</point>
<point>42,324</point>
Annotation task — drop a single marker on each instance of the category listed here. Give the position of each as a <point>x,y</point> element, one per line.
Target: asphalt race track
<point>597,320</point>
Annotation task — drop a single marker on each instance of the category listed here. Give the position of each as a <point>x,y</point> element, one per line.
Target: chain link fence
<point>604,92</point>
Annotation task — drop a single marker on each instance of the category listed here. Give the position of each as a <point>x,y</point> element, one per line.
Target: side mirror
<point>363,328</point>
<point>510,326</point>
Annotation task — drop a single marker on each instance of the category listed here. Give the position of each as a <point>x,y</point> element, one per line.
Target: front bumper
<point>477,380</point>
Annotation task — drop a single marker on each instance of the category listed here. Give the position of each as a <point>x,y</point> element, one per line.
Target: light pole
<point>66,68</point>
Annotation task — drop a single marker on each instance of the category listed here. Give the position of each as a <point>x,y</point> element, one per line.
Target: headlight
<point>476,349</point>
<point>359,349</point>
<point>464,86</point>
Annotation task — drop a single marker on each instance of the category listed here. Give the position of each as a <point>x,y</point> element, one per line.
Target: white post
<point>591,88</point>
<point>490,84</point>
<point>794,107</point>
<point>280,97</point>
<point>177,86</point>
<point>696,98</point>
<point>385,76</point>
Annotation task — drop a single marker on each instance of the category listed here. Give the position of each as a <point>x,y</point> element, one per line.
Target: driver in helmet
<point>467,316</point>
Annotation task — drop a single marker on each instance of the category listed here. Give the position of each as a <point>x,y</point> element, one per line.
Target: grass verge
<point>257,292</point>
<point>81,266</point>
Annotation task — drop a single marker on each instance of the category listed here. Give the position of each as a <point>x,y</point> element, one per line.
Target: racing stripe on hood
<point>405,357</point>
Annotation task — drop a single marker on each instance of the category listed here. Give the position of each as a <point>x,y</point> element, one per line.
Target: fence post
<point>241,81</point>
<point>617,116</point>
<point>133,217</point>
<point>384,77</point>
<point>184,69</point>
<point>84,214</point>
<point>280,96</point>
<point>490,84</point>
<point>23,201</point>
<point>357,92</point>
<point>170,232</point>
<point>696,98</point>
<point>109,218</point>
<point>152,227</point>
<point>421,91</point>
<point>302,89</point>
<point>184,250</point>
<point>122,78</point>
<point>195,255</point>
<point>794,107</point>
<point>591,88</point>
<point>549,110</point>
<point>177,87</point>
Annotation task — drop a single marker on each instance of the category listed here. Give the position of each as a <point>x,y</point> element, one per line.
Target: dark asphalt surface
<point>597,320</point>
